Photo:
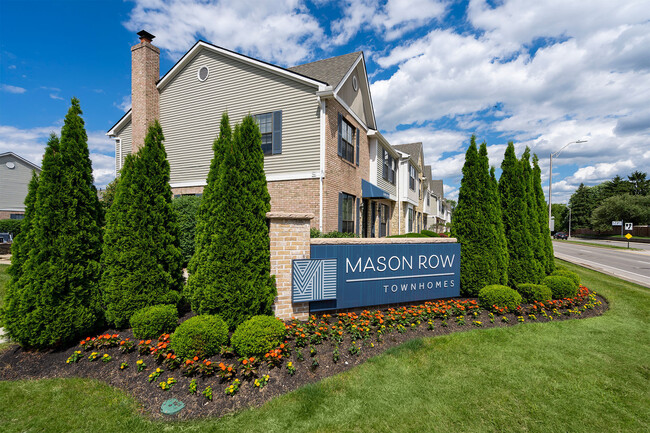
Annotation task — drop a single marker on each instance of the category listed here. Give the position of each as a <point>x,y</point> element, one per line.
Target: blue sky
<point>540,73</point>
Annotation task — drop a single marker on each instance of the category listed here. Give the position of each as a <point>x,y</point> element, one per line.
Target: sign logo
<point>313,280</point>
<point>359,275</point>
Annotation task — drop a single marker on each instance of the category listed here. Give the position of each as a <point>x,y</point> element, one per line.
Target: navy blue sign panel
<point>390,273</point>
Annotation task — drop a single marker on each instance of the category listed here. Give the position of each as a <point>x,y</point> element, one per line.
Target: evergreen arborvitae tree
<point>542,215</point>
<point>237,283</point>
<point>59,295</point>
<point>582,204</point>
<point>522,266</point>
<point>202,266</point>
<point>142,259</point>
<point>11,313</point>
<point>474,225</point>
<point>496,219</point>
<point>532,219</point>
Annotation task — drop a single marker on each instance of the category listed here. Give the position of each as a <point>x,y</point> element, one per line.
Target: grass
<point>578,375</point>
<point>595,245</point>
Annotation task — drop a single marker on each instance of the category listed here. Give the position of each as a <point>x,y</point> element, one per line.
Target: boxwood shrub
<point>561,286</point>
<point>501,296</point>
<point>200,336</point>
<point>258,335</point>
<point>151,322</point>
<point>569,274</point>
<point>534,292</point>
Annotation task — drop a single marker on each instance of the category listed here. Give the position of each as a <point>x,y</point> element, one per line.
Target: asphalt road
<point>629,265</point>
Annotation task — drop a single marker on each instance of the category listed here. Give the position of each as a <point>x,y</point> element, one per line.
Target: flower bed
<point>320,347</point>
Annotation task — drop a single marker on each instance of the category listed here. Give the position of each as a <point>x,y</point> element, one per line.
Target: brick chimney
<point>145,71</point>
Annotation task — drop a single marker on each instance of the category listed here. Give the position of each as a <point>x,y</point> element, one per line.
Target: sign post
<point>628,236</point>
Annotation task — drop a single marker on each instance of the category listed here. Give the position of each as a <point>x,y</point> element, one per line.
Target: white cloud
<point>282,31</point>
<point>12,89</point>
<point>589,79</point>
<point>125,105</point>
<point>30,144</point>
<point>55,96</point>
<point>390,20</point>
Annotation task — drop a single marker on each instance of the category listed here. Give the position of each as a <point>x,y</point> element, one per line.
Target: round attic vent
<point>10,165</point>
<point>203,73</point>
<point>355,83</point>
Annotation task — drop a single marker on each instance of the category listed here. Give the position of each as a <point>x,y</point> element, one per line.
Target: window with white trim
<point>347,140</point>
<point>271,129</point>
<point>388,170</point>
<point>411,177</point>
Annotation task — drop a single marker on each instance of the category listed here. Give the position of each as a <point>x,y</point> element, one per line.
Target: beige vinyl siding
<point>125,137</point>
<point>381,183</point>
<point>14,183</point>
<point>413,195</point>
<point>355,100</point>
<point>190,113</point>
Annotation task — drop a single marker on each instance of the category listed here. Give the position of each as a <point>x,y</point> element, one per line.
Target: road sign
<point>617,223</point>
<point>628,236</point>
<point>629,226</point>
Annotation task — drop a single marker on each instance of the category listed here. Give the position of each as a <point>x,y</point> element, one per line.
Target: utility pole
<point>550,175</point>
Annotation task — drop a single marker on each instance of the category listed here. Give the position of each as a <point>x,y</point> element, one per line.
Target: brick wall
<point>5,215</point>
<point>289,236</point>
<point>302,196</point>
<point>341,175</point>
<point>145,72</point>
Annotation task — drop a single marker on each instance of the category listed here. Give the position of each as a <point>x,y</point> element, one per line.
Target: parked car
<point>561,235</point>
<point>5,238</point>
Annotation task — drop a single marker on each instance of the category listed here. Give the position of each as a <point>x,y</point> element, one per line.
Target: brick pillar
<point>290,239</point>
<point>145,71</point>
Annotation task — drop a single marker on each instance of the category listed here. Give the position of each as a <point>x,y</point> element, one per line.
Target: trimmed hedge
<point>501,296</point>
<point>151,322</point>
<point>561,286</point>
<point>534,292</point>
<point>569,274</point>
<point>200,336</point>
<point>10,226</point>
<point>430,233</point>
<point>258,335</point>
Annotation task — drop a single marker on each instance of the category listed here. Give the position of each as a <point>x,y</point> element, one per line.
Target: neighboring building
<point>411,195</point>
<point>323,153</point>
<point>15,174</point>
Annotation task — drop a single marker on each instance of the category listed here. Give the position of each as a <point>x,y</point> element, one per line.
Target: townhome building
<point>323,153</point>
<point>15,174</point>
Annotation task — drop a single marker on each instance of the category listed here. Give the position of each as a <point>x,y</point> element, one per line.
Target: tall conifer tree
<point>474,225</point>
<point>494,214</point>
<point>59,294</point>
<point>512,189</point>
<point>542,215</point>
<point>203,264</point>
<point>142,258</point>
<point>532,219</point>
<point>237,284</point>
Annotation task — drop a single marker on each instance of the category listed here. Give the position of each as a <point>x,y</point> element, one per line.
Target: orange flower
<point>188,361</point>
<point>251,359</point>
<point>207,363</point>
<point>196,358</point>
<point>147,342</point>
<point>221,366</point>
<point>229,368</point>
<point>245,361</point>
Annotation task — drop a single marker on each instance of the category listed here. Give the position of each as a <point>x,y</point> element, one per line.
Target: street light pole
<point>550,175</point>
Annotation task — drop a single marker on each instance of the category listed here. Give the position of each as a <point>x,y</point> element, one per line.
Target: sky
<point>540,73</point>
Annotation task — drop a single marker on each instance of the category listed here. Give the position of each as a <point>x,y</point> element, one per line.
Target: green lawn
<point>595,245</point>
<point>588,375</point>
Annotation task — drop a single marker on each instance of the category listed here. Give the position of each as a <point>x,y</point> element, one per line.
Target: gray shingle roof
<point>427,172</point>
<point>413,149</point>
<point>437,188</point>
<point>330,71</point>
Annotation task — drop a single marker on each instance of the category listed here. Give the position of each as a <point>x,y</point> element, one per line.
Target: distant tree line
<point>595,207</point>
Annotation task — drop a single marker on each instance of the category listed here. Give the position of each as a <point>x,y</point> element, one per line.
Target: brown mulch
<point>19,364</point>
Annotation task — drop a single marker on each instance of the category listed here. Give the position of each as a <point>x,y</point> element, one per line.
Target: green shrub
<point>200,336</point>
<point>409,235</point>
<point>151,322</point>
<point>501,296</point>
<point>569,274</point>
<point>534,292</point>
<point>186,208</point>
<point>315,233</point>
<point>258,335</point>
<point>561,286</point>
<point>430,234</point>
<point>338,235</point>
<point>10,226</point>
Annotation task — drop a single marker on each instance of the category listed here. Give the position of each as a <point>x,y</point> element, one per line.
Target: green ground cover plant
<point>596,380</point>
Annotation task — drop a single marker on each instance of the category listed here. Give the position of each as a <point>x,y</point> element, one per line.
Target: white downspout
<point>322,160</point>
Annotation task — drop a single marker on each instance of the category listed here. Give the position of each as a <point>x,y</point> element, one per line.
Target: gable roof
<point>23,160</point>
<point>438,188</point>
<point>413,149</point>
<point>330,71</point>
<point>427,173</point>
